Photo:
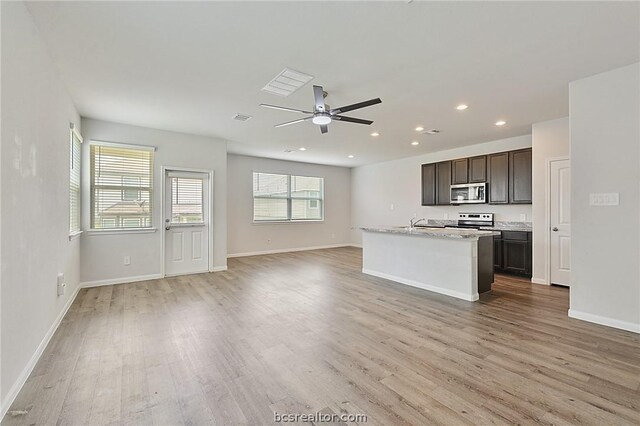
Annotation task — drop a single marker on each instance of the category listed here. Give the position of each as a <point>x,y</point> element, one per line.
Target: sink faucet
<point>413,222</point>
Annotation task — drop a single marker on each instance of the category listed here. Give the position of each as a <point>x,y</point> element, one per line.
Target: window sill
<point>276,222</point>
<point>75,235</point>
<point>121,231</point>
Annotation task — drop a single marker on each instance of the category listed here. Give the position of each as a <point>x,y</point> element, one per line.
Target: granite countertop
<point>431,232</point>
<point>498,226</point>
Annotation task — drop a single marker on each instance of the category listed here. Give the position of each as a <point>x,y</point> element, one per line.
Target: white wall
<point>550,140</point>
<point>605,157</point>
<point>36,112</point>
<point>375,187</point>
<point>102,255</point>
<point>244,236</point>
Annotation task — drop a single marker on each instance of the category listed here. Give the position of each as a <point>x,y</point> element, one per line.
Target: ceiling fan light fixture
<point>321,119</point>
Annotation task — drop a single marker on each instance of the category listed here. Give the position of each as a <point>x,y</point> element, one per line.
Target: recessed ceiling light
<point>414,143</point>
<point>500,123</point>
<point>302,149</point>
<point>462,107</point>
<point>374,134</point>
<point>419,129</point>
<point>350,156</point>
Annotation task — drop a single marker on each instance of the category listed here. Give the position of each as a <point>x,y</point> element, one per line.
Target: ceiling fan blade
<point>286,109</point>
<point>351,119</point>
<point>324,128</point>
<point>318,95</point>
<point>300,120</point>
<point>359,105</point>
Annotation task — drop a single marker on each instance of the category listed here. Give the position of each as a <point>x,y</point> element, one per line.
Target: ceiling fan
<point>322,114</point>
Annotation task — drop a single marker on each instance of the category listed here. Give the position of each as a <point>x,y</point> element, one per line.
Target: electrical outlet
<point>445,216</point>
<point>127,260</point>
<point>333,236</point>
<point>268,240</point>
<point>61,284</point>
<point>523,217</point>
<point>391,206</point>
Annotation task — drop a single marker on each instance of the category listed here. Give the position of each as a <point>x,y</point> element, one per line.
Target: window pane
<point>270,185</point>
<point>306,187</point>
<point>270,209</point>
<point>306,209</point>
<point>121,187</point>
<point>186,200</point>
<point>74,183</point>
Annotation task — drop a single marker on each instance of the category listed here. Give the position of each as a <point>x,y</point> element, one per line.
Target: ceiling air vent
<point>242,117</point>
<point>431,132</point>
<point>287,82</point>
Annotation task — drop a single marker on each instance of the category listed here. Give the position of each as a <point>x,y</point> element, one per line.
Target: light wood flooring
<point>305,332</point>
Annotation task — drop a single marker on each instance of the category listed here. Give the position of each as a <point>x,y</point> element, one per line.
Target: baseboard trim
<point>122,280</point>
<point>24,375</point>
<point>609,322</point>
<point>287,250</point>
<point>356,245</point>
<point>219,268</point>
<point>433,288</point>
<point>539,281</point>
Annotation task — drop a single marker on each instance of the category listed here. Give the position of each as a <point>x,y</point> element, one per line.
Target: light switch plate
<point>604,199</point>
<point>61,285</point>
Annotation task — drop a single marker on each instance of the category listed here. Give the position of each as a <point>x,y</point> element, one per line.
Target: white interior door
<point>186,220</point>
<point>560,222</point>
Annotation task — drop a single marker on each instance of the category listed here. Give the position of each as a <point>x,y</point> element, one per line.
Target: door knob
<point>554,229</point>
<point>167,224</point>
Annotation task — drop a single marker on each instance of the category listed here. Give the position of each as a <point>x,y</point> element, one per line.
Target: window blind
<point>279,197</point>
<point>186,200</point>
<point>75,155</point>
<point>121,187</point>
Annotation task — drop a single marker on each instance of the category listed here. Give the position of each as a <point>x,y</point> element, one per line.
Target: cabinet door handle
<point>554,229</point>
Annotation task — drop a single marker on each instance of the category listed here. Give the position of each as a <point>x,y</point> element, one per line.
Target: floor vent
<point>287,82</point>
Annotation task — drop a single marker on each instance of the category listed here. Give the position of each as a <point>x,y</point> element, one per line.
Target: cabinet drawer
<point>515,235</point>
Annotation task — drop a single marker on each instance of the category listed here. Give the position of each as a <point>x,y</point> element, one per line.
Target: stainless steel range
<point>473,220</point>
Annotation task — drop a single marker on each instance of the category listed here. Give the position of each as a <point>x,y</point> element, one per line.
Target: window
<point>75,155</point>
<point>121,186</point>
<point>287,198</point>
<point>186,200</point>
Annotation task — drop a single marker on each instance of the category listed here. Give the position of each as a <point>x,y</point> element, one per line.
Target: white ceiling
<point>190,67</point>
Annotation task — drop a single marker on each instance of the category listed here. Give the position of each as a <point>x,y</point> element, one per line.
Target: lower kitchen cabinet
<point>514,251</point>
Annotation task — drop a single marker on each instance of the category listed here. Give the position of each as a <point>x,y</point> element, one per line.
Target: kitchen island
<point>455,262</point>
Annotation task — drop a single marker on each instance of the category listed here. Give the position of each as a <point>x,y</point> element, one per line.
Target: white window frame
<point>289,199</point>
<point>110,231</point>
<point>75,164</point>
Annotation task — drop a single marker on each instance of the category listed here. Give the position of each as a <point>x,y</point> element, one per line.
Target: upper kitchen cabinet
<point>478,169</point>
<point>498,178</point>
<point>460,171</point>
<point>520,177</point>
<point>429,184</point>
<point>443,183</point>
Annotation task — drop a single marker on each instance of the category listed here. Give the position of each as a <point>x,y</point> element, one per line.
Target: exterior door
<point>560,222</point>
<point>186,222</point>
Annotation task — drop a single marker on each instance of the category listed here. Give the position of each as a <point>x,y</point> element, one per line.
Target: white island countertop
<point>431,232</point>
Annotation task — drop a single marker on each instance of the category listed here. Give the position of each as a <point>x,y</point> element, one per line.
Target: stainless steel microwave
<point>469,193</point>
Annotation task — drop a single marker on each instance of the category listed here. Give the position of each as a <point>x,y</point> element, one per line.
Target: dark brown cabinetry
<point>512,252</point>
<point>520,176</point>
<point>497,252</point>
<point>498,178</point>
<point>460,171</point>
<point>443,183</point>
<point>428,184</point>
<point>508,177</point>
<point>478,169</point>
